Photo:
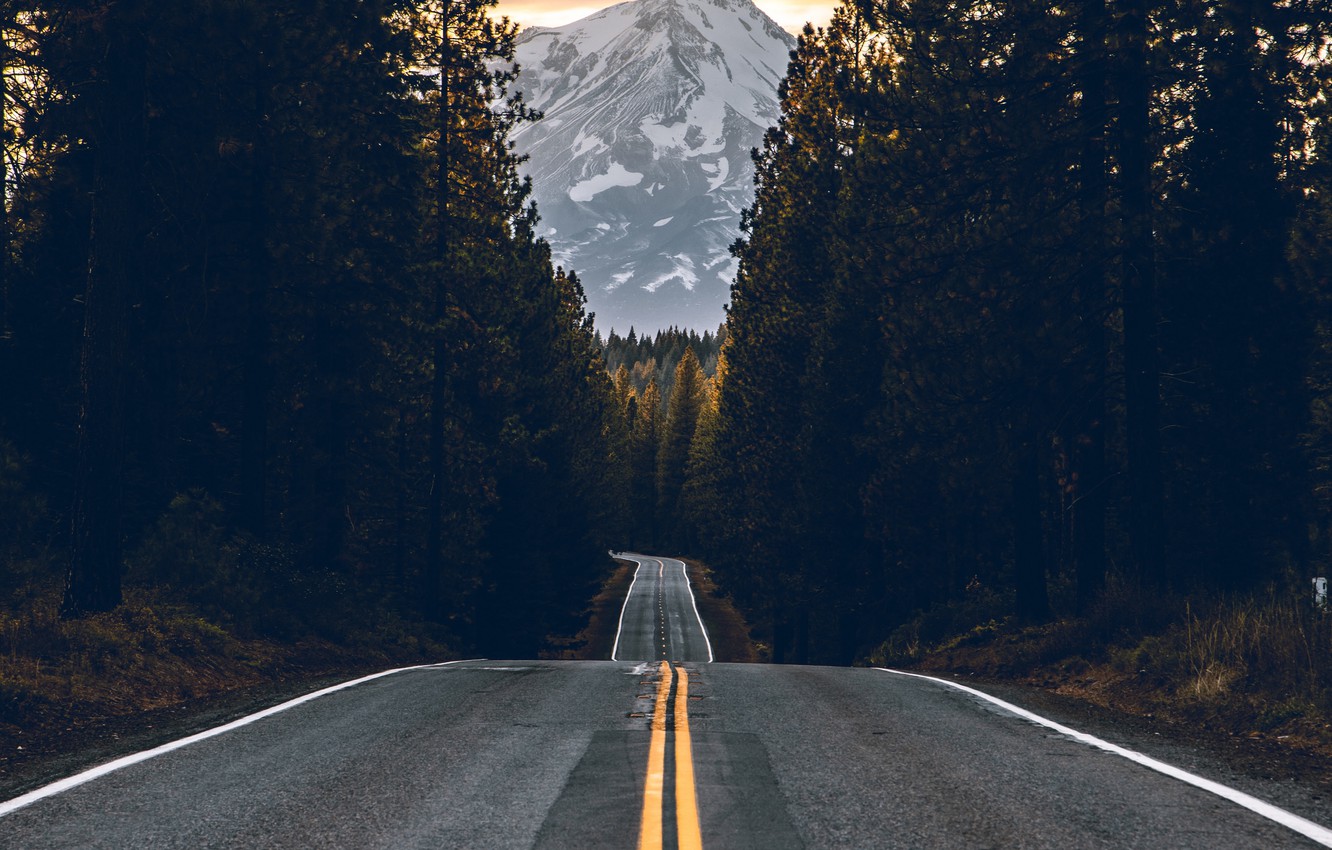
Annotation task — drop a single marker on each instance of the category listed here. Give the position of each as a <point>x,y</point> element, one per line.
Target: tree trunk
<point>7,389</point>
<point>114,269</point>
<point>331,440</point>
<point>1089,449</point>
<point>434,566</point>
<point>1142,394</point>
<point>255,368</point>
<point>400,507</point>
<point>1033,601</point>
<point>5,331</point>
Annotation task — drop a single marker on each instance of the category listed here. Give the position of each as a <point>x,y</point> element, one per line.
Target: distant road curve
<point>659,620</point>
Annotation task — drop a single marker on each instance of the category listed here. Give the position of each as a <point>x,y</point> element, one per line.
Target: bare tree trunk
<point>434,566</point>
<point>255,369</point>
<point>114,271</point>
<point>1089,449</point>
<point>1142,394</point>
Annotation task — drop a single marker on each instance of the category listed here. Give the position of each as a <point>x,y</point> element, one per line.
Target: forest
<point>279,344</point>
<point>1031,325</point>
<point>655,357</point>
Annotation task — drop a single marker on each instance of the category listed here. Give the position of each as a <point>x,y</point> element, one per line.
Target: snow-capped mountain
<point>641,165</point>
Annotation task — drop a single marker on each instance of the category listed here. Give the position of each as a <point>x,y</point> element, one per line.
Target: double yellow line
<point>688,836</point>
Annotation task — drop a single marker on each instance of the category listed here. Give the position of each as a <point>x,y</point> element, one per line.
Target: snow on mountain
<point>641,165</point>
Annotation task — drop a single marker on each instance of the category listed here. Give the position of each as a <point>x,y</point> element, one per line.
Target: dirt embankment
<point>727,629</point>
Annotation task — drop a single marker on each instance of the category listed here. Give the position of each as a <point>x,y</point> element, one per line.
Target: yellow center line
<point>686,798</point>
<point>649,836</point>
<point>688,834</point>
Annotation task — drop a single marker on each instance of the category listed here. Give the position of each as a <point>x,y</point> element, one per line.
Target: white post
<point>1320,593</point>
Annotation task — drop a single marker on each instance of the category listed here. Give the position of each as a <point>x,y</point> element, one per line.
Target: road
<point>659,620</point>
<point>546,754</point>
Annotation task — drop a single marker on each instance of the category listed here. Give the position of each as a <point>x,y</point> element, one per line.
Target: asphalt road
<point>521,754</point>
<point>659,621</point>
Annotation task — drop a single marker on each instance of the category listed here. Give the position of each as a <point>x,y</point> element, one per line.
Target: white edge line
<point>62,785</point>
<point>684,570</point>
<point>1307,828</point>
<point>615,650</point>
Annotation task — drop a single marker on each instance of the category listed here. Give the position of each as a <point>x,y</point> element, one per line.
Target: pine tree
<point>677,438</point>
<point>115,108</point>
<point>645,444</point>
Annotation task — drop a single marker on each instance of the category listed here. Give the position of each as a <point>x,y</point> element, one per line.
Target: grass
<point>61,680</point>
<point>1256,666</point>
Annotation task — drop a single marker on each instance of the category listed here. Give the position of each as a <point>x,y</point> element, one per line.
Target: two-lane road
<point>659,620</point>
<point>643,753</point>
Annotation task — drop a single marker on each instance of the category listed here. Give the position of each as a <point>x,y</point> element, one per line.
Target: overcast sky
<point>790,14</point>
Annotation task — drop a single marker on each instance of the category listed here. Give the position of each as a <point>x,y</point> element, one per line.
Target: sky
<point>789,14</point>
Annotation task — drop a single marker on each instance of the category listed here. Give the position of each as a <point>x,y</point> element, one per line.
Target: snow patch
<point>588,145</point>
<point>717,172</point>
<point>683,273</point>
<point>728,270</point>
<point>617,175</point>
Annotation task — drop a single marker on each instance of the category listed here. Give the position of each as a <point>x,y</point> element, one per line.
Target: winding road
<point>657,748</point>
<point>659,620</point>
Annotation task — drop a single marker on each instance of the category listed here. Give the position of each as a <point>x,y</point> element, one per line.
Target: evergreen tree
<point>677,439</point>
<point>645,444</point>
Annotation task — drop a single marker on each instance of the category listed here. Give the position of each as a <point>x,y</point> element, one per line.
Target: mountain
<point>641,165</point>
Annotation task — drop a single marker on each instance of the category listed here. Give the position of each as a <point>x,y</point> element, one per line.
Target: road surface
<point>546,754</point>
<point>659,620</point>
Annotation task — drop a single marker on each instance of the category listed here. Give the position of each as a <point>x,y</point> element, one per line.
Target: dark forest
<point>1031,326</point>
<point>279,341</point>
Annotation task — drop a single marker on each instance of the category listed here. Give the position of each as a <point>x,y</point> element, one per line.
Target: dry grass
<point>1212,683</point>
<point>61,675</point>
<point>1246,666</point>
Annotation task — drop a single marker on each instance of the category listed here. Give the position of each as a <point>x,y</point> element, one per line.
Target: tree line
<point>1031,313</point>
<point>655,357</point>
<point>653,448</point>
<point>277,335</point>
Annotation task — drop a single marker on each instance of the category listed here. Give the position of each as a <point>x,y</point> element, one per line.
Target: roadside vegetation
<point>204,613</point>
<point>1250,666</point>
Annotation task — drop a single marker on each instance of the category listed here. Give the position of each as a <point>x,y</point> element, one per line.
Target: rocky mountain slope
<point>642,161</point>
